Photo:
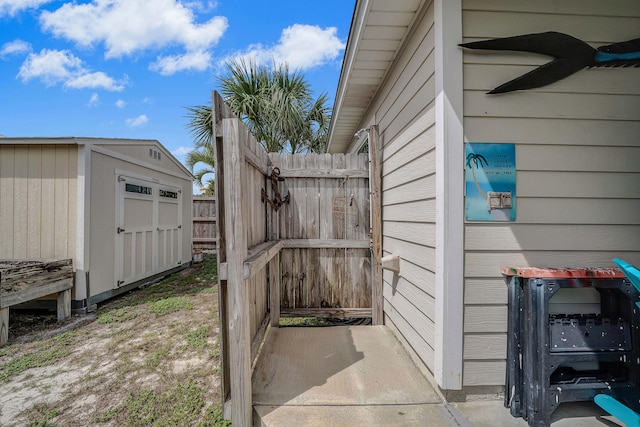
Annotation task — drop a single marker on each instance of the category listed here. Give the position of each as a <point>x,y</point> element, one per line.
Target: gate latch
<point>120,230</point>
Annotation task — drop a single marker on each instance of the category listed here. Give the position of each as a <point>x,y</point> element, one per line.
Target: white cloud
<point>61,66</point>
<point>51,66</point>
<point>201,6</point>
<point>121,103</point>
<point>129,26</point>
<point>181,151</point>
<point>94,101</point>
<point>137,121</point>
<point>11,7</point>
<point>14,48</point>
<point>168,65</point>
<point>301,46</point>
<point>95,81</point>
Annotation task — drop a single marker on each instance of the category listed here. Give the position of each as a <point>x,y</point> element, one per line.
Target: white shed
<point>119,208</point>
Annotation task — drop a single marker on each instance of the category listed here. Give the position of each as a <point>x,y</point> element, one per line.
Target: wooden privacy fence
<point>310,257</point>
<point>325,263</point>
<point>204,223</point>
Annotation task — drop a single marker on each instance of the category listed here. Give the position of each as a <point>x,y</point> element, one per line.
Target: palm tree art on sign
<point>475,161</point>
<point>490,182</point>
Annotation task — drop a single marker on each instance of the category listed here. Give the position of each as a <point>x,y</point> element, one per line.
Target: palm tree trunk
<point>473,172</point>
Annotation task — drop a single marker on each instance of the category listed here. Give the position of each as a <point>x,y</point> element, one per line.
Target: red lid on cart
<point>564,273</point>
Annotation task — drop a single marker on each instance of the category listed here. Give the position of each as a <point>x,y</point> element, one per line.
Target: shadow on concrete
<point>337,366</point>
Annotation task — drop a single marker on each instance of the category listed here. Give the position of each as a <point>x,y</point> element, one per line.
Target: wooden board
<point>20,275</point>
<point>26,280</point>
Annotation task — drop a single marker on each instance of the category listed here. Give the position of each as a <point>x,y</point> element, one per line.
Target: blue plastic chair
<point>625,414</point>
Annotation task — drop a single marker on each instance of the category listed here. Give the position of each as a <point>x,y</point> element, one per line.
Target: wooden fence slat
<point>375,183</point>
<point>238,293</point>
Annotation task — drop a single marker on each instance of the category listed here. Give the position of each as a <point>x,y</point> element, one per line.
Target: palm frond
<point>200,124</point>
<point>277,106</point>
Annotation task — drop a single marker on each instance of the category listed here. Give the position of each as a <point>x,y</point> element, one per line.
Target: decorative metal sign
<point>570,56</point>
<point>490,182</point>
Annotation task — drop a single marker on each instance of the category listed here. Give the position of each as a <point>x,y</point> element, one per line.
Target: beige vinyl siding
<point>38,187</point>
<point>577,159</point>
<point>403,109</point>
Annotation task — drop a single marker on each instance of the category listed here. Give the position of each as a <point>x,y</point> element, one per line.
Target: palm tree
<point>476,161</point>
<point>277,106</point>
<point>201,128</point>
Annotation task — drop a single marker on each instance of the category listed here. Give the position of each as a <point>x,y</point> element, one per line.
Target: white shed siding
<point>103,213</point>
<point>577,159</point>
<point>404,111</point>
<point>38,201</point>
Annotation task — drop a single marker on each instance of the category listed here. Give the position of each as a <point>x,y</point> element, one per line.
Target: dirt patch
<point>149,357</point>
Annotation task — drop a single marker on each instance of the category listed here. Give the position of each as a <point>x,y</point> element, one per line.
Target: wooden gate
<point>325,263</point>
<point>309,257</point>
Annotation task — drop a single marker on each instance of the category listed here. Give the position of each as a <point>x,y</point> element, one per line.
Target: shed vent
<point>155,154</point>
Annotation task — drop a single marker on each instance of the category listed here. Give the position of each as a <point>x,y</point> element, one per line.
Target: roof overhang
<point>378,31</point>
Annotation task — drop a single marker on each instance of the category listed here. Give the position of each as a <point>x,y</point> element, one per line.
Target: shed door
<point>169,227</point>
<point>148,228</point>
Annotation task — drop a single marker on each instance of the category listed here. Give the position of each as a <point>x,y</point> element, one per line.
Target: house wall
<point>38,187</point>
<point>577,159</point>
<point>103,214</point>
<point>404,111</point>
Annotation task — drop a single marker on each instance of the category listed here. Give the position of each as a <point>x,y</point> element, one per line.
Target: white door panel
<point>148,228</point>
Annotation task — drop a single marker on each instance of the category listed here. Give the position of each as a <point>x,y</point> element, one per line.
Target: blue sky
<point>127,68</point>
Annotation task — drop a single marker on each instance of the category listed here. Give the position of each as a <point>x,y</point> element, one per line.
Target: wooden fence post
<point>238,292</point>
<point>375,178</point>
<point>221,111</point>
<point>274,295</point>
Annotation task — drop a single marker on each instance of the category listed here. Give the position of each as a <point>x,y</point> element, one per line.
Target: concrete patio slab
<point>352,376</point>
<point>430,414</point>
<point>342,365</point>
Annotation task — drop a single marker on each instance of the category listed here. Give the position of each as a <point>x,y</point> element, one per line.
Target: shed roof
<point>378,31</point>
<point>73,140</point>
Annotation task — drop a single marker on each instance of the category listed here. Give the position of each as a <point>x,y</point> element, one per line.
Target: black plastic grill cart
<point>554,358</point>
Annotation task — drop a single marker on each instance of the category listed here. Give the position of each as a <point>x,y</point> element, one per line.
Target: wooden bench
<point>26,280</point>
